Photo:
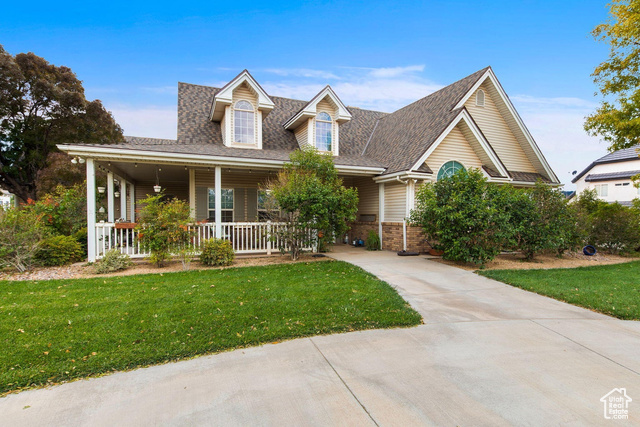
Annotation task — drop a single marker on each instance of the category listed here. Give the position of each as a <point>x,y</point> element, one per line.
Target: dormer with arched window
<point>317,124</point>
<point>240,107</point>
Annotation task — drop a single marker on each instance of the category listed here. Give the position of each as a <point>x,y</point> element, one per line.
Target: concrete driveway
<point>488,354</point>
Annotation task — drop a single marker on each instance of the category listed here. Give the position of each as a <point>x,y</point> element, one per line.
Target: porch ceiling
<point>147,171</point>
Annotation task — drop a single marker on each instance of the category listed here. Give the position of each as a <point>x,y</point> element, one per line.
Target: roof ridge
<point>479,72</point>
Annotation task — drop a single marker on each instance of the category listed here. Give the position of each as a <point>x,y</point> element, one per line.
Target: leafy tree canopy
<point>310,195</point>
<point>617,120</point>
<point>42,105</point>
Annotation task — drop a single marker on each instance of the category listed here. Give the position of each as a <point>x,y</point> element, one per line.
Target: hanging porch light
<point>157,187</point>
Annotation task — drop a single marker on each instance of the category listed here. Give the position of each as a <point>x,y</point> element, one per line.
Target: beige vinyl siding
<point>244,92</point>
<point>302,134</point>
<point>454,147</point>
<point>327,106</point>
<point>224,134</point>
<point>501,137</point>
<point>367,196</point>
<point>395,195</point>
<point>419,185</point>
<point>144,189</point>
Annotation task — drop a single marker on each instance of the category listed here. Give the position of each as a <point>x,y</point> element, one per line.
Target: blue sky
<point>375,54</point>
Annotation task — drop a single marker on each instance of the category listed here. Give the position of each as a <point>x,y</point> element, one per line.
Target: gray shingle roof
<point>527,176</point>
<point>617,156</point>
<point>403,136</point>
<point>137,140</point>
<point>610,175</point>
<point>371,138</point>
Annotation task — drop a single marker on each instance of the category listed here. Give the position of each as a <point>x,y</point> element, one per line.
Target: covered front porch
<point>242,217</point>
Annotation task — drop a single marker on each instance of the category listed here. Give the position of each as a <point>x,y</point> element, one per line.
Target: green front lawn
<point>610,289</point>
<point>52,331</point>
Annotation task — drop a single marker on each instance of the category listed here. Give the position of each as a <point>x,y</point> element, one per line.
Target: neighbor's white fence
<point>245,237</point>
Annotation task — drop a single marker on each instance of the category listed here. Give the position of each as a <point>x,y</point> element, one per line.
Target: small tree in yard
<point>163,227</point>
<point>310,196</point>
<point>539,219</point>
<point>21,233</point>
<point>464,215</point>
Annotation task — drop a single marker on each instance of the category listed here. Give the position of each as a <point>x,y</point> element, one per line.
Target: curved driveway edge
<point>488,354</point>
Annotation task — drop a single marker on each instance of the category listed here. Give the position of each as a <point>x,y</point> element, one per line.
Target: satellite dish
<point>574,172</point>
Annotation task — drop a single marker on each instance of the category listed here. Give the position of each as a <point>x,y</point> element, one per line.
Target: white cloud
<point>396,71</point>
<point>149,121</point>
<point>384,89</point>
<point>557,126</point>
<point>302,72</point>
<point>173,89</point>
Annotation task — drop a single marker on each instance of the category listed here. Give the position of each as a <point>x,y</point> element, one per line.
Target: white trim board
<point>142,156</point>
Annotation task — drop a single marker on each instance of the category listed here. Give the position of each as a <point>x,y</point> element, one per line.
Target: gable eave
<point>224,97</point>
<point>309,110</point>
<point>490,75</point>
<point>484,144</point>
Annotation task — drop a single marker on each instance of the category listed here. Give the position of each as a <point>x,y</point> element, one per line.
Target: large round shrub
<point>59,250</point>
<point>217,252</point>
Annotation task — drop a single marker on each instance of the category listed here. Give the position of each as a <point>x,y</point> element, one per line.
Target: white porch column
<point>91,210</point>
<point>192,193</point>
<point>132,202</point>
<point>123,199</point>
<point>380,210</point>
<point>218,200</point>
<point>110,201</point>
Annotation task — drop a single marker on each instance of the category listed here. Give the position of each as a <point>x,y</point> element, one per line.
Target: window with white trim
<point>323,132</point>
<point>244,123</point>
<point>449,169</point>
<point>226,204</point>
<point>480,98</point>
<point>602,190</point>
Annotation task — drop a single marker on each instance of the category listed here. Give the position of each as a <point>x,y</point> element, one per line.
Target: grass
<point>54,331</point>
<point>610,289</point>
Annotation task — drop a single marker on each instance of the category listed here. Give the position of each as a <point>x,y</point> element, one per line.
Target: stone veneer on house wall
<point>391,235</point>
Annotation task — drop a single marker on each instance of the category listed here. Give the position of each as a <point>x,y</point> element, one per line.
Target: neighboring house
<point>232,139</point>
<point>611,176</point>
<point>6,199</point>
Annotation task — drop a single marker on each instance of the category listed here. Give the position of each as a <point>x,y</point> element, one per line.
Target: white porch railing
<point>245,237</point>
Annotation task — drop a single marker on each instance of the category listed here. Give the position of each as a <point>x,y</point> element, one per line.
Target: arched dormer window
<point>323,132</point>
<point>449,169</point>
<point>480,98</point>
<point>244,123</point>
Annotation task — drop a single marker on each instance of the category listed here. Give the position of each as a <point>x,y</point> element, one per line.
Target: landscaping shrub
<point>373,241</point>
<point>217,252</point>
<point>538,219</point>
<point>163,227</point>
<point>610,227</point>
<point>64,211</point>
<point>113,260</point>
<point>59,250</point>
<point>21,232</point>
<point>465,215</point>
<point>81,237</point>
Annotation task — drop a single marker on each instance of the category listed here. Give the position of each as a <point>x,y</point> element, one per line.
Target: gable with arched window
<point>244,123</point>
